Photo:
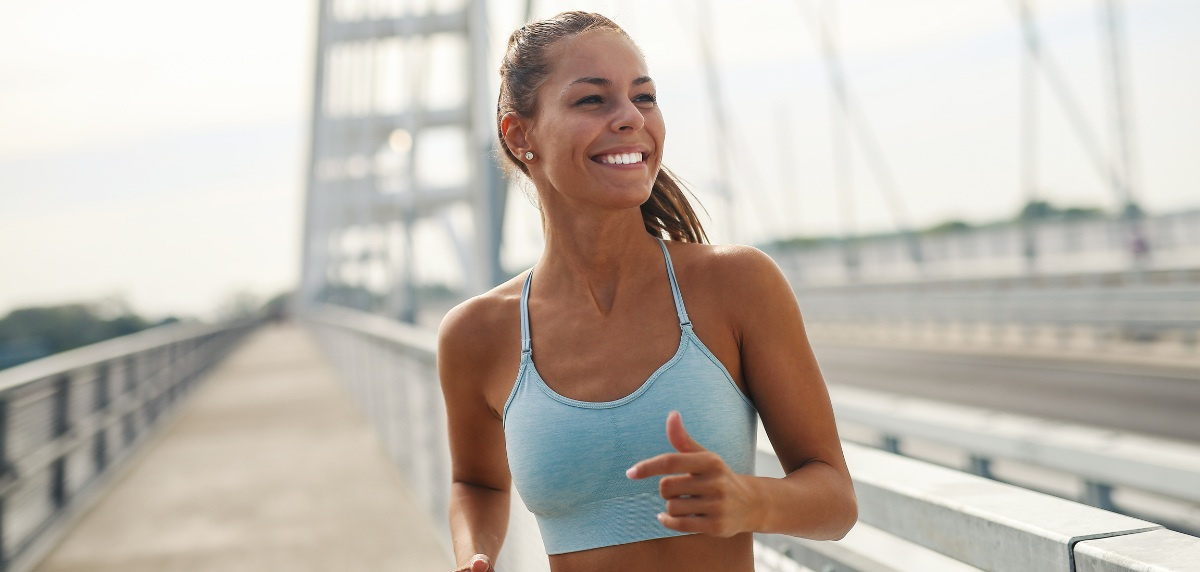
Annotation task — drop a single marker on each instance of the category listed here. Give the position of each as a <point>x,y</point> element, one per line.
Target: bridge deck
<point>267,467</point>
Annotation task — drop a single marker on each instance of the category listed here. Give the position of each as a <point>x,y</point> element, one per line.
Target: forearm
<point>478,520</point>
<point>815,501</point>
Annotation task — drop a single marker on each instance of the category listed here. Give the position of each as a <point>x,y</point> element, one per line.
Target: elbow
<point>846,517</point>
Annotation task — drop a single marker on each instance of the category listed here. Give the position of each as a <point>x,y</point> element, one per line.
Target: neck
<point>594,257</point>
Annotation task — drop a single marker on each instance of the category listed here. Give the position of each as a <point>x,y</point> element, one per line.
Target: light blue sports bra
<point>568,457</point>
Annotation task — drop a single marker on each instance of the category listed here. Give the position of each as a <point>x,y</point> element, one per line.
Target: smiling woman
<point>592,436</point>
<point>532,49</point>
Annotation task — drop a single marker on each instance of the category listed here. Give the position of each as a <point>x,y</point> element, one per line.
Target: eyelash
<point>643,98</point>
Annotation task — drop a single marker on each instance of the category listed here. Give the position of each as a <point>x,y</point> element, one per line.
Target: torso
<point>588,357</point>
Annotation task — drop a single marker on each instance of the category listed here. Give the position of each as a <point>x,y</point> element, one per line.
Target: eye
<point>590,100</point>
<point>649,98</point>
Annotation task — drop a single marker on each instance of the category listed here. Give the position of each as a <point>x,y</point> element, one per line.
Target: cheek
<point>657,128</point>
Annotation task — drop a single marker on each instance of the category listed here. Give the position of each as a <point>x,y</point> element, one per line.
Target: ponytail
<point>668,213</point>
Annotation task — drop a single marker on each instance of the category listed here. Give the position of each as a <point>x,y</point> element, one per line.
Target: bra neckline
<point>684,334</point>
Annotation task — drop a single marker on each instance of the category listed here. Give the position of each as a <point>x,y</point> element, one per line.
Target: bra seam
<point>512,395</point>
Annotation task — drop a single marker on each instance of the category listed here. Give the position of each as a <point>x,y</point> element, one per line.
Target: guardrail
<point>1080,317</point>
<point>1066,250</point>
<point>913,515</point>
<point>69,421</point>
<point>1102,459</point>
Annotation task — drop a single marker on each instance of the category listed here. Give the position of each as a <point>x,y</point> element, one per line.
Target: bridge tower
<point>401,148</point>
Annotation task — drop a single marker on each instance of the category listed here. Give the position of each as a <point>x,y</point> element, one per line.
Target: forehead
<point>599,53</point>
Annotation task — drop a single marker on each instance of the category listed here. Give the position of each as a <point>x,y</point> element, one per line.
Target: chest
<point>591,358</point>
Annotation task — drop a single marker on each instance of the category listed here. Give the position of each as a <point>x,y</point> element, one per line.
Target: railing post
<point>891,444</point>
<point>6,475</point>
<point>982,466</point>
<point>150,402</point>
<point>129,421</point>
<point>61,425</point>
<point>173,371</point>
<point>1098,495</point>
<point>100,443</point>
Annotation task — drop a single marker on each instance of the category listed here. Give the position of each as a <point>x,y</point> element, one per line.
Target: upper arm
<point>467,366</point>
<point>778,365</point>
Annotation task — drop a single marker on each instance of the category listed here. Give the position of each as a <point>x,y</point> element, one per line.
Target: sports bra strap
<point>526,342</point>
<point>679,309</point>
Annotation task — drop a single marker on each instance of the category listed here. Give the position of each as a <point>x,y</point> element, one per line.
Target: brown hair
<point>667,213</point>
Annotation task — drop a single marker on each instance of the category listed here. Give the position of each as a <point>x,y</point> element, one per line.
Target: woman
<point>593,435</point>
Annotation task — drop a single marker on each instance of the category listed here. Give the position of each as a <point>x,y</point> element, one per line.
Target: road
<point>1154,400</point>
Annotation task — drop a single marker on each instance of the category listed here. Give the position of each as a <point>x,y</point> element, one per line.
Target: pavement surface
<point>268,466</point>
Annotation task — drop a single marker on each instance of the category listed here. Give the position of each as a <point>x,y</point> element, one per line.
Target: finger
<point>674,463</point>
<point>684,523</point>
<point>691,507</point>
<point>686,485</point>
<point>479,563</point>
<point>678,436</point>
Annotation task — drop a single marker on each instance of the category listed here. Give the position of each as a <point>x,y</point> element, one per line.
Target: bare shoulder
<point>727,269</point>
<point>479,318</point>
<point>478,337</point>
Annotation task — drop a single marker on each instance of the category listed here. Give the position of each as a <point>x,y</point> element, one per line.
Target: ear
<point>516,134</point>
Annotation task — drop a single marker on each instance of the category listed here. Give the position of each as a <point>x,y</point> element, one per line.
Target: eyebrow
<point>605,81</point>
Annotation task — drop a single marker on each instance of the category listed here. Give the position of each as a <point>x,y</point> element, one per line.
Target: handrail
<point>390,369</point>
<point>106,350</point>
<point>69,421</point>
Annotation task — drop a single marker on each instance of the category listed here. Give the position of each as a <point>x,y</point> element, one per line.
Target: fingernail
<point>631,472</point>
<point>661,516</point>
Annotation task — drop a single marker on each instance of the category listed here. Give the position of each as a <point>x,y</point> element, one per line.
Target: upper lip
<point>623,149</point>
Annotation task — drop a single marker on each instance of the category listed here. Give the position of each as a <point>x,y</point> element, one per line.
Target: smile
<point>620,158</point>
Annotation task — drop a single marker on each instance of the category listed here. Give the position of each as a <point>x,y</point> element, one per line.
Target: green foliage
<point>30,333</point>
<point>947,227</point>
<point>798,242</point>
<point>1043,210</point>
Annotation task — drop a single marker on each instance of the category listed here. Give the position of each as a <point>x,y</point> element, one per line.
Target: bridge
<point>1010,397</point>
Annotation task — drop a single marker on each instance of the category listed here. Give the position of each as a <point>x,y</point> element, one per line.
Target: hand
<point>479,563</point>
<point>703,494</point>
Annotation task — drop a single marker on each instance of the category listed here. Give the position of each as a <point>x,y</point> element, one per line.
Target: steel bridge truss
<point>398,96</point>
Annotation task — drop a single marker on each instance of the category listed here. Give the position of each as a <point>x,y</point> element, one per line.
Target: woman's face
<point>597,131</point>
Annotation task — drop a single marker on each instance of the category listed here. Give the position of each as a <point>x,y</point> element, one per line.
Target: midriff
<point>693,552</point>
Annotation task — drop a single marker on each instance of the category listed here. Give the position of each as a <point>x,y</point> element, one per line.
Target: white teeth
<point>622,159</point>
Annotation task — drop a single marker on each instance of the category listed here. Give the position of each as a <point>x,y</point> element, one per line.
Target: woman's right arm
<point>480,481</point>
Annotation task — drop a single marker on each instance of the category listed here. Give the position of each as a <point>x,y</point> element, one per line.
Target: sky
<point>155,151</point>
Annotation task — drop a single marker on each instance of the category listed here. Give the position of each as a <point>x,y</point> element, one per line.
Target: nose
<point>627,117</point>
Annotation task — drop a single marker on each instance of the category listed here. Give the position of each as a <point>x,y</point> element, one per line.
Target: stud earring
<point>529,155</point>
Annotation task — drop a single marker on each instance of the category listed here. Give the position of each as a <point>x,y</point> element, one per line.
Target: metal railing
<point>913,515</point>
<point>1064,250</point>
<point>1101,460</point>
<point>1143,313</point>
<point>69,421</point>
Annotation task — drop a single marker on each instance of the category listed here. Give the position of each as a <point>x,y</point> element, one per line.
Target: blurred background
<point>157,153</point>
<point>987,204</point>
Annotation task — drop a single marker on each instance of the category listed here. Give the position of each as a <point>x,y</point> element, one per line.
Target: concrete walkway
<point>267,467</point>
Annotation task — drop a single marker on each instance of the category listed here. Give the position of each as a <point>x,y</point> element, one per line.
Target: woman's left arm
<point>816,497</point>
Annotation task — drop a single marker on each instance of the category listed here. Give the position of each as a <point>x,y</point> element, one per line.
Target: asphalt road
<point>1154,400</point>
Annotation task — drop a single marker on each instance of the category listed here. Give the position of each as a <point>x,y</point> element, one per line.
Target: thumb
<point>678,436</point>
